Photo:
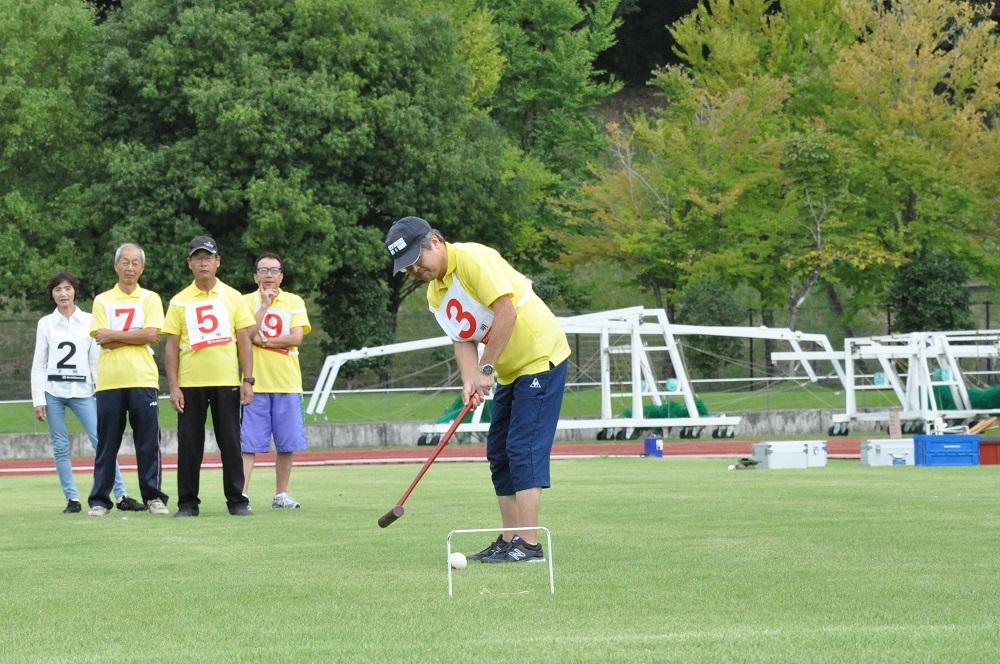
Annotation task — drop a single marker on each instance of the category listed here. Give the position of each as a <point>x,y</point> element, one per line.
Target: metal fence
<point>436,367</point>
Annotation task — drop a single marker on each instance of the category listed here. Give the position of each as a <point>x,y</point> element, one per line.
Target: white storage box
<point>816,451</point>
<point>783,454</point>
<point>888,452</point>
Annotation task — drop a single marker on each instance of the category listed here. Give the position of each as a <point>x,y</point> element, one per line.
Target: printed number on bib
<point>125,317</point>
<point>65,359</point>
<point>276,323</point>
<point>462,317</point>
<point>208,324</point>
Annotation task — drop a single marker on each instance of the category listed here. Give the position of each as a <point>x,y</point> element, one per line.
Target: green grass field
<point>371,407</point>
<point>656,561</point>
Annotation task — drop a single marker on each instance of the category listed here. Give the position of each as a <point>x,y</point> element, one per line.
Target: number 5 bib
<point>461,316</point>
<point>208,324</point>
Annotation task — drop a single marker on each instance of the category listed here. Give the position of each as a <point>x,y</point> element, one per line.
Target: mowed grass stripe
<point>676,560</point>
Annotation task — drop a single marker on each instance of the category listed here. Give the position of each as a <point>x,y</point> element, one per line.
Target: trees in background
<point>809,146</point>
<point>938,282</point>
<point>49,51</point>
<point>814,145</point>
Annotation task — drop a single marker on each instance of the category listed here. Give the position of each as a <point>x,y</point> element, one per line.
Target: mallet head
<point>386,519</point>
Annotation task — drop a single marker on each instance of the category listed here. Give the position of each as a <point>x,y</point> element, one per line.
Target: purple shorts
<point>273,414</point>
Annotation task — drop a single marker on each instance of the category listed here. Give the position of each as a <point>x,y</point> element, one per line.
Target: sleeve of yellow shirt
<point>299,316</point>
<point>486,276</point>
<point>173,322</point>
<point>99,317</point>
<point>153,311</point>
<point>242,317</point>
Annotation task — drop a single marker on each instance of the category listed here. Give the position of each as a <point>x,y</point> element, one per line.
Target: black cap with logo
<point>403,241</point>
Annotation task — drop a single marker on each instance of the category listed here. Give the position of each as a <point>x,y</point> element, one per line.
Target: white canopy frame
<point>648,331</point>
<point>908,363</point>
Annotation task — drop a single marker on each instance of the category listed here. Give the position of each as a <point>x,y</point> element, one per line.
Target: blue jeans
<point>85,409</point>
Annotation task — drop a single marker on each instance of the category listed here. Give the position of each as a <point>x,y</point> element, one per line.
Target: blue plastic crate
<point>946,450</point>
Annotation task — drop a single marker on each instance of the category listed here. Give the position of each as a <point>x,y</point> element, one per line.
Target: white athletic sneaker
<point>283,501</point>
<point>156,506</point>
<point>98,510</point>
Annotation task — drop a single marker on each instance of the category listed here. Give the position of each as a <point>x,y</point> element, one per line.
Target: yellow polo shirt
<point>131,365</point>
<point>206,324</point>
<point>276,370</point>
<point>483,275</point>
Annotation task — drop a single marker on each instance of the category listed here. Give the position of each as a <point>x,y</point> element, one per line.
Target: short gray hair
<point>426,242</point>
<point>129,245</point>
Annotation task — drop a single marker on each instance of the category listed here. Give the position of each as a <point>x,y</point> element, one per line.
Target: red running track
<point>843,448</point>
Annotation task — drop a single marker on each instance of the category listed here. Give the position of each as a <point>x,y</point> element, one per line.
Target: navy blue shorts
<point>522,427</point>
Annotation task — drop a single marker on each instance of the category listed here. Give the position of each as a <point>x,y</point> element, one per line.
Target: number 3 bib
<point>208,324</point>
<point>461,316</point>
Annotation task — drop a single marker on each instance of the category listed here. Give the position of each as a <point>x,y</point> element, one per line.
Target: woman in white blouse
<point>62,375</point>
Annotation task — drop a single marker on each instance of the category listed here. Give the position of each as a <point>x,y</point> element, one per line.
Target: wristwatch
<point>487,369</point>
<point>248,380</point>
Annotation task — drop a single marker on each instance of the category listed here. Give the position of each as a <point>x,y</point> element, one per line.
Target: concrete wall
<point>396,434</point>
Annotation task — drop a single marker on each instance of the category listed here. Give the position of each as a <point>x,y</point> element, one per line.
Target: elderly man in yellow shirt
<point>477,297</point>
<point>208,328</point>
<point>276,411</point>
<point>126,323</point>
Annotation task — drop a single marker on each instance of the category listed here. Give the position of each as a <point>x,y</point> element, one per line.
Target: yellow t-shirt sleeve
<point>242,318</point>
<point>99,317</point>
<point>486,277</point>
<point>299,316</point>
<point>153,311</point>
<point>173,322</point>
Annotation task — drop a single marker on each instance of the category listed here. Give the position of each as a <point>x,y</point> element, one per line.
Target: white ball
<point>732,467</point>
<point>457,560</point>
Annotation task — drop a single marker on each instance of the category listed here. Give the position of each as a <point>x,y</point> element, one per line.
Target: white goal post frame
<point>647,330</point>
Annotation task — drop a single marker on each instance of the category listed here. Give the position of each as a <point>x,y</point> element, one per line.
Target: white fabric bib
<point>276,323</point>
<point>461,316</point>
<point>208,324</point>
<point>125,317</point>
<point>68,360</point>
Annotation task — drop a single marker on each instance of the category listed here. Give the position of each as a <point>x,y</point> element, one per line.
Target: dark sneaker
<point>129,504</point>
<point>72,507</point>
<point>243,509</point>
<point>519,551</point>
<point>186,511</point>
<point>491,550</point>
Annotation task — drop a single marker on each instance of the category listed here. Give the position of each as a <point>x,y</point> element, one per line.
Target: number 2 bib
<point>208,324</point>
<point>461,316</point>
<point>68,359</point>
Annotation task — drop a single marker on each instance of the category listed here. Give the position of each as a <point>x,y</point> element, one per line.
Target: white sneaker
<point>98,510</point>
<point>156,506</point>
<point>283,501</point>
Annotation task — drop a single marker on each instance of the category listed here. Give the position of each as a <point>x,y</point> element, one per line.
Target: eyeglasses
<point>124,262</point>
<point>268,270</point>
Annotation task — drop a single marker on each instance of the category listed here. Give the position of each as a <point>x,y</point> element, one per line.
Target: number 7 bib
<point>208,324</point>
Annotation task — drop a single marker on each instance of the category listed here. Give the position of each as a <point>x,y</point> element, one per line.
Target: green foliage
<point>550,86</point>
<point>49,49</point>
<point>806,144</point>
<point>930,294</point>
<point>708,302</point>
<point>306,128</point>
